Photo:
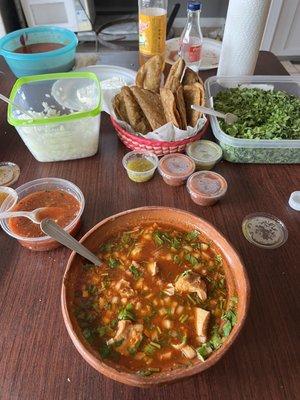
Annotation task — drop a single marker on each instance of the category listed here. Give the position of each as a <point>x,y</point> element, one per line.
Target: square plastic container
<point>65,110</point>
<point>251,150</point>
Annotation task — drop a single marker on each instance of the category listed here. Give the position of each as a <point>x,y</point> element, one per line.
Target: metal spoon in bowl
<point>53,230</point>
<point>49,227</point>
<point>229,118</point>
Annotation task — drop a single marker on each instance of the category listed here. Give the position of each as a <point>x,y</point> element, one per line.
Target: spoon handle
<point>49,227</point>
<point>209,111</point>
<point>6,99</point>
<point>13,214</point>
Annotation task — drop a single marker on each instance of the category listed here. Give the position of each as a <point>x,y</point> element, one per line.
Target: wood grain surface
<point>38,360</point>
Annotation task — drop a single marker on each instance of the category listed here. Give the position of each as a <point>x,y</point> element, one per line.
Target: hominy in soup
<point>160,300</point>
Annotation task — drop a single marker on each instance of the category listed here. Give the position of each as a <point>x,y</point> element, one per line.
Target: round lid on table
<point>264,230</point>
<point>176,165</point>
<point>9,173</point>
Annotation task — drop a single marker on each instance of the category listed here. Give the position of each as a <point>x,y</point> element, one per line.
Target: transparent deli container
<point>65,109</point>
<point>253,150</point>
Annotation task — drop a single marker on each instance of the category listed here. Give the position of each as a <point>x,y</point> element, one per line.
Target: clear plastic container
<point>206,187</point>
<point>135,163</point>
<point>66,115</point>
<point>44,243</point>
<point>205,153</point>
<point>176,168</point>
<point>251,150</point>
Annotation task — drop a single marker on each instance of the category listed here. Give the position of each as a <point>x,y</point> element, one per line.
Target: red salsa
<point>38,48</point>
<point>63,208</point>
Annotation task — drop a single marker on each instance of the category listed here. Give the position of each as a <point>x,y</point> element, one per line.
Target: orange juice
<point>152,30</point>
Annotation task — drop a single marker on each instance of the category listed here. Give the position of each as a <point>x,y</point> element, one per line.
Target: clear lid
<point>204,151</point>
<point>207,184</point>
<point>264,230</point>
<point>176,165</point>
<point>55,98</point>
<point>9,173</point>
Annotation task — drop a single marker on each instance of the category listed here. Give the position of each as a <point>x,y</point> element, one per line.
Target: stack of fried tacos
<point>147,106</point>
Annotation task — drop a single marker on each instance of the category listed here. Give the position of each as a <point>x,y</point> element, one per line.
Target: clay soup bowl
<point>236,278</point>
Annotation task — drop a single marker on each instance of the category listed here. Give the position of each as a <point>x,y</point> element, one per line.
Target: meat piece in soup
<point>159,301</point>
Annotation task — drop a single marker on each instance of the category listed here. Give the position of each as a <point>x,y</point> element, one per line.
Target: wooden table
<point>38,360</point>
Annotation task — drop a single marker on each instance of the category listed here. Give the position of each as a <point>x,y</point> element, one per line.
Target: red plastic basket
<point>160,148</point>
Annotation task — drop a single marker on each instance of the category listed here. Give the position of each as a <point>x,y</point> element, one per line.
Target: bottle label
<point>152,32</point>
<point>194,53</point>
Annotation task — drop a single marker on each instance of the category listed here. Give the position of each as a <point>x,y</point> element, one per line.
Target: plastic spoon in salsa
<point>229,118</point>
<point>53,230</point>
<point>36,215</point>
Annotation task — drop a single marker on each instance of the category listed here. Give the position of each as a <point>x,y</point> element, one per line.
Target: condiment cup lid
<point>294,200</point>
<point>9,173</point>
<point>204,151</point>
<point>209,184</point>
<point>176,165</point>
<point>264,230</point>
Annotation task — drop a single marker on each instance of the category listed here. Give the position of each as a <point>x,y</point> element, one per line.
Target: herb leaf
<point>127,313</point>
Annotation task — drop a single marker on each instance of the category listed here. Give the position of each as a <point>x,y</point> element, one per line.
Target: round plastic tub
<point>206,187</point>
<point>44,243</point>
<point>65,110</point>
<point>140,156</point>
<point>205,153</point>
<point>176,168</point>
<point>59,60</point>
<point>8,194</point>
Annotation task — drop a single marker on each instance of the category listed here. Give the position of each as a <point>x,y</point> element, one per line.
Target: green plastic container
<point>65,110</point>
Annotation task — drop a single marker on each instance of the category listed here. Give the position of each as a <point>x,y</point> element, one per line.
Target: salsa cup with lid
<point>205,153</point>
<point>67,188</point>
<point>206,187</point>
<point>176,168</point>
<point>140,165</point>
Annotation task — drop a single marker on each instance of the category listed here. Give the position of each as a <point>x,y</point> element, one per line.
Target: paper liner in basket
<point>167,132</point>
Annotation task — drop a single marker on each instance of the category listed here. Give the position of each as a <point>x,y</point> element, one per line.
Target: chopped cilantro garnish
<point>105,351</point>
<point>191,235</point>
<point>113,263</point>
<point>191,259</point>
<point>127,313</point>
<point>135,271</point>
<point>204,351</point>
<point>216,341</point>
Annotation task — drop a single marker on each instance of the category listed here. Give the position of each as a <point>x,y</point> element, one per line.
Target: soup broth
<point>160,300</point>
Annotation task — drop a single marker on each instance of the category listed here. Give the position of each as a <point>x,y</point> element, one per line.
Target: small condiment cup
<point>176,168</point>
<point>206,187</point>
<point>205,153</point>
<point>140,176</point>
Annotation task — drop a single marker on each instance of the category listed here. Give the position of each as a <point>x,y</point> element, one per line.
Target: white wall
<point>2,27</point>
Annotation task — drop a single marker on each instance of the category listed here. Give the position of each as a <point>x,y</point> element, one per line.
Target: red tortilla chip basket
<point>160,148</point>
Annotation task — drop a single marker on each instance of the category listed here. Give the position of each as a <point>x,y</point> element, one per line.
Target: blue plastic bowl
<point>59,60</point>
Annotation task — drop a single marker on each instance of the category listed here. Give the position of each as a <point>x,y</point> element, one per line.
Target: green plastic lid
<point>46,98</point>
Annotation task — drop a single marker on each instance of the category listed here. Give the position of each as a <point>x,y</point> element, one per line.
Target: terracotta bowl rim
<point>133,379</point>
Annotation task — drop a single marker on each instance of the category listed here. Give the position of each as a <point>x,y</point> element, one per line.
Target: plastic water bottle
<point>190,47</point>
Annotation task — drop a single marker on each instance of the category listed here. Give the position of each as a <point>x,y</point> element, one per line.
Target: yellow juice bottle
<point>152,28</point>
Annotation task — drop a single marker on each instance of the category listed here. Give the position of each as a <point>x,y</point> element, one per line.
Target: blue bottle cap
<point>194,5</point>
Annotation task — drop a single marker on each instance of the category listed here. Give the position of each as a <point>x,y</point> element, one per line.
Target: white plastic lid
<point>294,200</point>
